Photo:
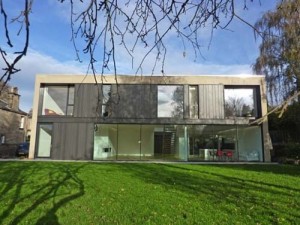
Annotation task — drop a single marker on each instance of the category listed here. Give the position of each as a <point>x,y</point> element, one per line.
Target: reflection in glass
<point>239,102</point>
<point>170,101</point>
<point>205,141</point>
<point>44,142</point>
<point>106,100</point>
<point>193,102</point>
<point>250,143</point>
<point>58,100</point>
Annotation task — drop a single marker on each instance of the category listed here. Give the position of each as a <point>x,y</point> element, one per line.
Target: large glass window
<point>105,142</point>
<point>193,102</point>
<point>250,143</point>
<point>139,142</point>
<point>212,142</point>
<point>58,100</point>
<point>225,143</point>
<point>170,101</point>
<point>44,140</point>
<point>240,102</point>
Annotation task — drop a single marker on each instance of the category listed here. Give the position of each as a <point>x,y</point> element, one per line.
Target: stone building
<point>13,121</point>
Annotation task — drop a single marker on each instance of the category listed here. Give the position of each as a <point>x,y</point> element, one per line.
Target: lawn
<point>128,193</point>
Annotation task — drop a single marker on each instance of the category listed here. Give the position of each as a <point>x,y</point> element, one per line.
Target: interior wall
<point>129,140</point>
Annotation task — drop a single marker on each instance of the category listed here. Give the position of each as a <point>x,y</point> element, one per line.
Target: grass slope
<point>104,193</point>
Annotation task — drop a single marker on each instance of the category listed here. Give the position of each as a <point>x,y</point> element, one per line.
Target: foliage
<point>288,125</point>
<point>128,193</point>
<point>292,150</point>
<point>280,50</point>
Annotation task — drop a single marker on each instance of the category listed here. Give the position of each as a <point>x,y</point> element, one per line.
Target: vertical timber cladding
<point>72,141</point>
<point>211,101</point>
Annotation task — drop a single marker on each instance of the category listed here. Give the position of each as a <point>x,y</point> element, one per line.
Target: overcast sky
<point>231,51</point>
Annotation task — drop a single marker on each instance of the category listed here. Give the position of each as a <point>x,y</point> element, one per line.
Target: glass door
<point>44,140</point>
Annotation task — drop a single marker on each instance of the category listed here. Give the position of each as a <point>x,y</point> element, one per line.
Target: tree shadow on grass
<point>59,175</point>
<point>222,189</point>
<point>291,170</point>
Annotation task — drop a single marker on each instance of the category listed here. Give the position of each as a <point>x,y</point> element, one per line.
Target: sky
<point>231,51</point>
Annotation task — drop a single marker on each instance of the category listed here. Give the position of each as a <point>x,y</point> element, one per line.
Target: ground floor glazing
<point>177,142</point>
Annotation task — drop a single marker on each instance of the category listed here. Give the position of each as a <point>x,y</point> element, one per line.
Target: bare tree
<point>23,20</point>
<point>105,26</point>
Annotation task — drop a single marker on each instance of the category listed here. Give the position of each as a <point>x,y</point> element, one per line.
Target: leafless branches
<point>23,20</point>
<point>107,26</point>
<point>103,29</point>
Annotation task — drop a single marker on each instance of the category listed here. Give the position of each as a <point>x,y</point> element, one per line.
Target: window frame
<point>197,101</point>
<point>70,102</point>
<point>256,100</point>
<point>157,100</point>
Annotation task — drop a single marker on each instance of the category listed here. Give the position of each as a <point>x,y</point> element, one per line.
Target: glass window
<point>240,102</point>
<point>105,141</point>
<point>193,102</point>
<point>170,101</point>
<point>106,100</point>
<point>44,141</point>
<point>212,142</point>
<point>58,100</point>
<point>250,143</point>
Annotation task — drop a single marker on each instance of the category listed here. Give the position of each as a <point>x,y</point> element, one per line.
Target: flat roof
<point>145,79</point>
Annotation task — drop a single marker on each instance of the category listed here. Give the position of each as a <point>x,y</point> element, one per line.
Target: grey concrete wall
<point>10,127</point>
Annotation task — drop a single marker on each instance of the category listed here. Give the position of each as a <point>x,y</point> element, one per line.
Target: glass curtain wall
<point>250,143</point>
<point>140,142</point>
<point>129,142</point>
<point>178,142</point>
<point>225,143</point>
<point>105,142</point>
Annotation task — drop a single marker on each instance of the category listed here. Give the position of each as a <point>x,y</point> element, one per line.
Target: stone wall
<point>10,127</point>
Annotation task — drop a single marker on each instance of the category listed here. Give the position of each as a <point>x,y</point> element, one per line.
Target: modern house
<point>13,121</point>
<point>174,118</point>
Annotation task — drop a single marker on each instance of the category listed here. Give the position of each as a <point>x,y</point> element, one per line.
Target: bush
<point>292,150</point>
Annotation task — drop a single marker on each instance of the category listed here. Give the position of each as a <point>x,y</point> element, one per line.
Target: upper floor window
<point>58,100</point>
<point>193,102</point>
<point>170,101</point>
<point>240,102</point>
<point>106,100</point>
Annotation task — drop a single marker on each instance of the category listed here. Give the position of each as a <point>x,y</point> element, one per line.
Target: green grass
<point>104,193</point>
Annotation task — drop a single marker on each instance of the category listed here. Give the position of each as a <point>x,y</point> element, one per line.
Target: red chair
<point>229,154</point>
<point>219,154</point>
